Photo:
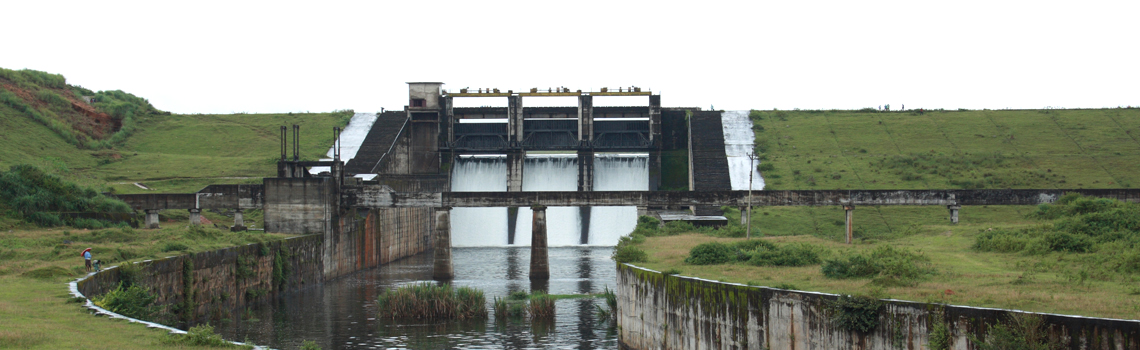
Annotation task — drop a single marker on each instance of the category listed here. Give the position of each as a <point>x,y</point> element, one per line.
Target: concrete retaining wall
<point>672,312</point>
<point>213,285</point>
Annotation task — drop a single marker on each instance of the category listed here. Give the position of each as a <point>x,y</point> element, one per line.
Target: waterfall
<point>350,139</point>
<point>472,227</point>
<point>738,143</point>
<point>617,172</point>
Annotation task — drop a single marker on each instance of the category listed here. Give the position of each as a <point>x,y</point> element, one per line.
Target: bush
<point>37,197</point>
<point>1019,332</point>
<point>788,255</point>
<point>629,254</point>
<point>174,246</point>
<point>711,254</point>
<point>885,266</point>
<point>541,306</point>
<point>132,301</point>
<point>855,313</point>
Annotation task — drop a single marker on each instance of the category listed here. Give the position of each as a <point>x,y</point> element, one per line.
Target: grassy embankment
<point>166,152</point>
<point>958,149</point>
<point>48,125</point>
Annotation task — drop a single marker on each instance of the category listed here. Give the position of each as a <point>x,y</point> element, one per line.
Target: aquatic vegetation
<point>431,301</point>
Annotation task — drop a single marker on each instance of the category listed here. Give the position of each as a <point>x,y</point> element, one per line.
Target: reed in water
<point>431,301</point>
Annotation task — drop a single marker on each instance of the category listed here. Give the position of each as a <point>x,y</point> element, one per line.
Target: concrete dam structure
<point>399,196</point>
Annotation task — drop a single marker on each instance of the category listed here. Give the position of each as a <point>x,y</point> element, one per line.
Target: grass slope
<point>1095,148</point>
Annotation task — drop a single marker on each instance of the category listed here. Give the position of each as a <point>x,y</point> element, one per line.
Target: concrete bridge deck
<point>378,197</point>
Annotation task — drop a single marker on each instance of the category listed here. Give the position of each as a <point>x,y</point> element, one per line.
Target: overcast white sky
<point>230,56</point>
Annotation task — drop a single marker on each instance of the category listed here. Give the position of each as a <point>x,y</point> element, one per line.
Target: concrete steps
<point>710,165</point>
<point>377,143</point>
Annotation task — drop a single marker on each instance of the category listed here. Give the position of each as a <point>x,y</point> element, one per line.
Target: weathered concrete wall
<point>672,312</point>
<point>300,205</point>
<point>371,237</point>
<point>210,285</point>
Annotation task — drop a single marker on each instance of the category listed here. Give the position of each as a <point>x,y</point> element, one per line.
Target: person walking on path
<point>87,259</point>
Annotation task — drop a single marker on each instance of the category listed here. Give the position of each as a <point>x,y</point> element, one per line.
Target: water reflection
<point>341,314</point>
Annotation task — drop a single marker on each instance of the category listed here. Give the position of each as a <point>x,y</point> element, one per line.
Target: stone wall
<point>672,312</point>
<point>210,285</point>
<point>213,285</point>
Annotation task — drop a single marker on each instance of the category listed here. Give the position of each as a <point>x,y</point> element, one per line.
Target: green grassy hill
<point>1098,148</point>
<point>121,139</point>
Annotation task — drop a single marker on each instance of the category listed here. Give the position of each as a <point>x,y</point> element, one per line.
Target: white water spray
<point>738,143</point>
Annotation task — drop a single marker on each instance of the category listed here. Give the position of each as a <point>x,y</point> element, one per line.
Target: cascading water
<point>617,172</point>
<point>481,227</point>
<point>738,143</point>
<point>554,172</point>
<point>351,138</point>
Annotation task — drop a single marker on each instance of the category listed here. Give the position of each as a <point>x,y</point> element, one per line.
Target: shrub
<point>131,301</point>
<point>1019,332</point>
<point>309,345</point>
<point>174,246</point>
<point>855,313</point>
<point>629,254</point>
<point>885,265</point>
<point>710,254</point>
<point>787,255</point>
<point>37,196</point>
<point>610,312</point>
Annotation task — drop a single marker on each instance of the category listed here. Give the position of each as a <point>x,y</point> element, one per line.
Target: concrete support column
<point>850,210</point>
<point>515,160</point>
<point>449,119</point>
<point>195,217</point>
<point>441,250</point>
<point>514,120</point>
<point>585,119</point>
<point>585,170</point>
<point>512,222</point>
<point>239,221</point>
<point>539,261</point>
<point>743,216</point>
<point>151,218</point>
<point>953,213</point>
<point>654,170</point>
<point>642,211</point>
<point>655,119</point>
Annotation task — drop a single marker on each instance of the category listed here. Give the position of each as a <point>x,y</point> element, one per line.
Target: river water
<point>342,314</point>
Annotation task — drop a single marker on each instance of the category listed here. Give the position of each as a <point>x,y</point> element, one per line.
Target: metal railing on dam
<point>380,197</point>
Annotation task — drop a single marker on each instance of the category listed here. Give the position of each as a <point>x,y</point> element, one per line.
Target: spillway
<point>351,138</point>
<point>738,143</point>
<point>481,227</point>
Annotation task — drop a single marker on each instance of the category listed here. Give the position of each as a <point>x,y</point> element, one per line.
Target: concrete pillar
<point>539,262</point>
<point>512,223</point>
<point>743,216</point>
<point>585,170</point>
<point>642,211</point>
<point>239,221</point>
<point>151,218</point>
<point>584,214</point>
<point>654,170</point>
<point>585,118</point>
<point>655,120</point>
<point>449,116</point>
<point>515,159</point>
<point>441,251</point>
<point>195,217</point>
<point>849,209</point>
<point>953,213</point>
<point>515,120</point>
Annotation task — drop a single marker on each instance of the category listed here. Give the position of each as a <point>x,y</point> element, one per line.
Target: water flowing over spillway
<point>481,227</point>
<point>351,138</point>
<point>738,142</point>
